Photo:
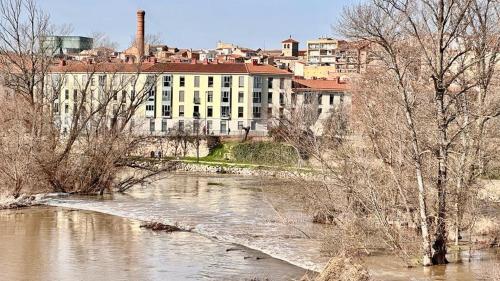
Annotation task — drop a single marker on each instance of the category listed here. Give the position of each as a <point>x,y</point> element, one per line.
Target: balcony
<point>225,116</point>
<point>196,115</point>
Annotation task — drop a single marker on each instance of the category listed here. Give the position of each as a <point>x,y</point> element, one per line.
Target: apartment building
<point>321,51</point>
<point>324,96</point>
<point>327,56</point>
<point>216,99</point>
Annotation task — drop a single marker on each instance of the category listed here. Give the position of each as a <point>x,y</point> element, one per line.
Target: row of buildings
<point>223,91</point>
<point>208,98</point>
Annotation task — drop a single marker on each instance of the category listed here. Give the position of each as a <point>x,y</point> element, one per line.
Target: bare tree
<point>57,140</point>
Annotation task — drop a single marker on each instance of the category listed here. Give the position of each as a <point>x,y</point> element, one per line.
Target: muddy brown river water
<point>236,235</point>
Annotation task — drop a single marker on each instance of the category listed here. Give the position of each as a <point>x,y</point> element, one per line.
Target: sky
<point>201,23</point>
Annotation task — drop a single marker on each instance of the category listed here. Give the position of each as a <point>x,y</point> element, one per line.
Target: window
<point>282,83</point>
<point>102,80</point>
<point>282,99</point>
<point>223,126</point>
<point>165,110</point>
<point>210,111</point>
<point>320,98</point>
<point>75,95</point>
<point>181,110</point>
<point>257,82</point>
<point>240,112</point>
<point>151,125</point>
<point>166,95</point>
<point>132,95</point>
<point>197,81</point>
<point>66,108</point>
<point>269,112</point>
<point>256,112</point>
<point>196,96</point>
<point>225,112</point>
<point>181,96</point>
<point>210,96</point>
<point>66,94</point>
<point>182,81</point>
<point>332,96</point>
<point>92,81</point>
<point>319,111</point>
<point>241,81</point>
<point>181,125</point>
<point>56,107</point>
<point>241,97</point>
<point>240,125</point>
<point>257,96</point>
<point>196,111</point>
<point>163,125</point>
<point>150,107</point>
<point>341,99</point>
<point>270,82</point>
<point>124,95</point>
<point>307,98</point>
<point>115,95</point>
<point>209,126</point>
<point>167,81</point>
<point>210,81</point>
<point>253,125</point>
<point>270,97</point>
<point>226,81</point>
<point>196,126</point>
<point>225,96</point>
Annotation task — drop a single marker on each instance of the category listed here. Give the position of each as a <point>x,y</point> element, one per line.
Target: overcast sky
<point>201,23</point>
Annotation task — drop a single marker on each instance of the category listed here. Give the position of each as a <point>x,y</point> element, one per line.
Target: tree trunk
<point>439,246</point>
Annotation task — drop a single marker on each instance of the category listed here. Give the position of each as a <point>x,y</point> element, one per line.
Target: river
<point>241,227</point>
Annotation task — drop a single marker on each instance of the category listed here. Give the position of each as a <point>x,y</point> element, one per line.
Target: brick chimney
<point>139,37</point>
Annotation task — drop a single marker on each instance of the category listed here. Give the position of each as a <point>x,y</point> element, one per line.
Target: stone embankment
<point>241,170</point>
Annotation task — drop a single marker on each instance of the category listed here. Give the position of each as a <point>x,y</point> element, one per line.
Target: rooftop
<point>219,68</point>
<point>320,84</point>
<point>290,40</point>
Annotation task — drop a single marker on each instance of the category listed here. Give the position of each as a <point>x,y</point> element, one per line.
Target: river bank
<point>236,210</point>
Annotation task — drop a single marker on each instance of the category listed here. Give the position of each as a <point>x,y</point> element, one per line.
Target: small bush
<point>265,153</point>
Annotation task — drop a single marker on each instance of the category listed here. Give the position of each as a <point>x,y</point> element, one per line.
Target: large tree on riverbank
<point>37,153</point>
<point>422,126</point>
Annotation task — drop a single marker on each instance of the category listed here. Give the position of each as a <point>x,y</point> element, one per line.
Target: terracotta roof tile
<point>320,85</point>
<point>265,69</point>
<point>78,66</point>
<point>289,40</point>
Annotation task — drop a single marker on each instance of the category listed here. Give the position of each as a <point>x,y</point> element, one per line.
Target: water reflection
<point>237,210</point>
<point>58,244</point>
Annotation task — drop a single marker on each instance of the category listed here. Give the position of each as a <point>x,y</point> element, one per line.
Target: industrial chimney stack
<point>139,37</point>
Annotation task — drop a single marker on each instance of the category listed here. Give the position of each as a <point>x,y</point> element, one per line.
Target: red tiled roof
<point>320,85</point>
<point>265,69</point>
<point>289,40</point>
<point>111,67</point>
<point>78,66</point>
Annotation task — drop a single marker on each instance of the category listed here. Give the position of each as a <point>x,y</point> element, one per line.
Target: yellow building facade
<point>216,99</point>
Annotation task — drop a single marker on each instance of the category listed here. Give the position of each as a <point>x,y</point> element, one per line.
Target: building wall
<point>146,120</point>
<point>321,51</point>
<point>319,71</point>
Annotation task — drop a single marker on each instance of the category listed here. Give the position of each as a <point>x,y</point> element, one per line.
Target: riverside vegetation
<point>402,173</point>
